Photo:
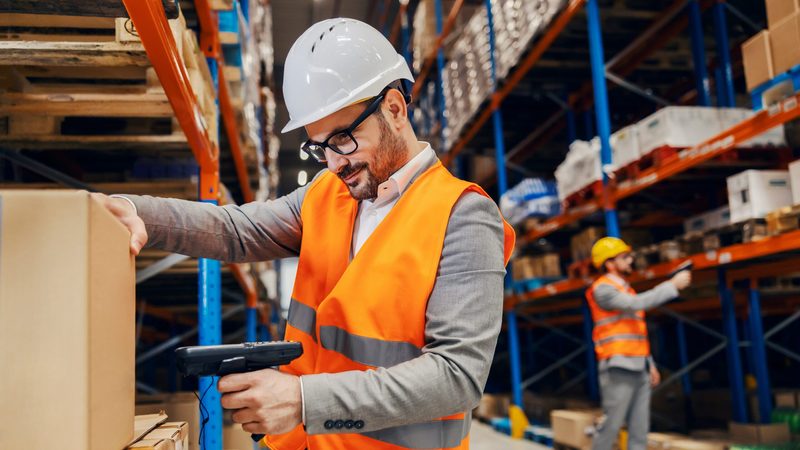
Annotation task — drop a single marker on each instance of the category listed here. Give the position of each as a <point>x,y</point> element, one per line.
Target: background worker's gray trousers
<point>626,400</point>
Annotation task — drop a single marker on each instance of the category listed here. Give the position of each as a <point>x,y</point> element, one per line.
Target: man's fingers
<point>138,234</point>
<point>244,415</point>
<point>233,383</point>
<point>253,427</point>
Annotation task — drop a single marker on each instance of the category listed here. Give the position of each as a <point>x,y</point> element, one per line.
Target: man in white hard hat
<point>399,291</point>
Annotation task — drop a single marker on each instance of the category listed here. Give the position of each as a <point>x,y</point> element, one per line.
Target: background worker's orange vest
<point>617,332</point>
<point>370,312</point>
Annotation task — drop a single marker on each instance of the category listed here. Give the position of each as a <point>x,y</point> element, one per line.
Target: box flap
<point>144,424</point>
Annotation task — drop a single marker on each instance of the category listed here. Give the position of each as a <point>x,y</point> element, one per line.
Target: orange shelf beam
<point>229,120</point>
<point>728,255</point>
<point>151,23</point>
<point>526,65</point>
<point>685,159</point>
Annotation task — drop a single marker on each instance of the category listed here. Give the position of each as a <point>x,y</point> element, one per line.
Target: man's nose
<point>334,160</point>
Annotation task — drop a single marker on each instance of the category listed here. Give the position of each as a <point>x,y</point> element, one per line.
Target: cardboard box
<point>794,180</point>
<point>787,399</point>
<point>747,433</point>
<point>493,405</point>
<point>234,438</point>
<point>581,244</point>
<point>693,444</point>
<point>66,323</point>
<point>168,436</point>
<point>778,10</point>
<point>663,441</point>
<point>752,194</point>
<point>678,127</point>
<point>784,39</point>
<point>757,57</point>
<point>179,406</point>
<point>574,428</point>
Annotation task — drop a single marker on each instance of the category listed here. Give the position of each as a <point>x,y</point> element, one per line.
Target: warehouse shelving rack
<point>148,17</point>
<point>741,262</point>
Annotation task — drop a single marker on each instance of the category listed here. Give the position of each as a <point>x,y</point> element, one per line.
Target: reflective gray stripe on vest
<point>622,337</point>
<point>365,350</point>
<point>434,434</point>
<point>617,318</point>
<point>303,317</point>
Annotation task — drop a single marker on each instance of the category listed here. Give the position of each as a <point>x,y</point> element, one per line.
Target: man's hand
<point>266,401</point>
<point>682,279</point>
<point>655,377</point>
<point>125,213</point>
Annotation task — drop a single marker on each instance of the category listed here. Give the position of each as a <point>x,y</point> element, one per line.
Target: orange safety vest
<point>617,332</point>
<point>370,312</point>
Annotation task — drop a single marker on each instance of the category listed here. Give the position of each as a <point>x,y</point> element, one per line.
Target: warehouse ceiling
<point>666,71</point>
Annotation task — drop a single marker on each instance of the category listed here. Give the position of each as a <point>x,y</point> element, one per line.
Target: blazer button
<point>339,424</point>
<point>328,424</point>
<point>348,424</point>
<point>359,424</point>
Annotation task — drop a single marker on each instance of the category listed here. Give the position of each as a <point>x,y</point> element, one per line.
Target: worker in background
<point>399,290</point>
<point>626,370</point>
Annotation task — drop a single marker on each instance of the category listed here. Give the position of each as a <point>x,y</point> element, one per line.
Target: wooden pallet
<point>783,220</point>
<point>58,74</point>
<point>588,193</point>
<point>655,159</point>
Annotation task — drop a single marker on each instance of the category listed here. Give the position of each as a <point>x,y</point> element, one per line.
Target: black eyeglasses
<point>341,142</point>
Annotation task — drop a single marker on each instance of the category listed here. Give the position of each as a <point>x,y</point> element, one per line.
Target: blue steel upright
<point>209,312</point>
<point>502,187</point>
<point>591,359</point>
<point>725,78</point>
<point>683,357</point>
<point>759,355</point>
<point>601,104</point>
<point>735,377</point>
<point>440,67</point>
<point>703,85</point>
<point>251,316</point>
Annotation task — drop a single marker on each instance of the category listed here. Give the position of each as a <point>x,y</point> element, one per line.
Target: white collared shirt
<point>372,212</point>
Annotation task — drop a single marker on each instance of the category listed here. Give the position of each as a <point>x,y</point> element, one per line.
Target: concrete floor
<point>483,437</point>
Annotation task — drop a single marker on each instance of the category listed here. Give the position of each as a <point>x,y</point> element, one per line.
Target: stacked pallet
<point>86,82</point>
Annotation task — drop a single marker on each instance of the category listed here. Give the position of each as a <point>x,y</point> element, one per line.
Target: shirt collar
<point>402,178</point>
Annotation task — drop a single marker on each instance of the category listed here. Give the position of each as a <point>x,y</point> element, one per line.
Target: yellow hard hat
<point>607,248</point>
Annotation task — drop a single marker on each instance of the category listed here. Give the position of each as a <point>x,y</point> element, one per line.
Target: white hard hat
<point>335,63</point>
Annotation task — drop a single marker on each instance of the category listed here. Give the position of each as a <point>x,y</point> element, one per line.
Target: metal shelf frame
<point>720,262</point>
<point>151,22</point>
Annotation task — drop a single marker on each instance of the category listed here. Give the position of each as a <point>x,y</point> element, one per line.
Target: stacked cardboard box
<point>776,50</point>
<point>179,406</point>
<point>167,436</point>
<point>581,244</point>
<point>544,266</point>
<point>748,433</point>
<point>66,323</point>
<point>574,428</point>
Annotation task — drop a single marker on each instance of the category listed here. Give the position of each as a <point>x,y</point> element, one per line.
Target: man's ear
<point>394,108</point>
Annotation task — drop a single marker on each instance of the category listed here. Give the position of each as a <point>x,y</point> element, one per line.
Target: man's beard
<point>385,162</point>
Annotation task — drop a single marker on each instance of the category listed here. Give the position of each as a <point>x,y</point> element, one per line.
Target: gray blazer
<point>463,316</point>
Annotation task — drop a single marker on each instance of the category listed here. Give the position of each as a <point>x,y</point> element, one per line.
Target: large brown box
<point>571,427</point>
<point>784,39</point>
<point>757,57</point>
<point>66,323</point>
<point>778,10</point>
<point>748,433</point>
<point>662,441</point>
